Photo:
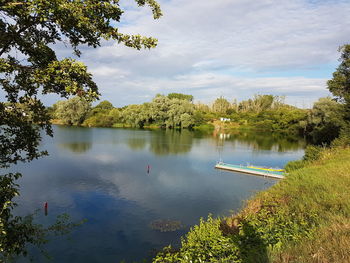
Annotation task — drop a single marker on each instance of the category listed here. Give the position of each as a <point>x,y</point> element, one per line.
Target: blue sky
<point>230,48</point>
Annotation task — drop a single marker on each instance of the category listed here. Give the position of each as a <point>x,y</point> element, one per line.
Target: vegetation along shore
<point>321,124</point>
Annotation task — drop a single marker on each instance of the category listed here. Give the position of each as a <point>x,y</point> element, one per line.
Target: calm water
<point>101,175</point>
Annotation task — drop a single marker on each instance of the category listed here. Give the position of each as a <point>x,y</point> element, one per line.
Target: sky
<point>230,48</point>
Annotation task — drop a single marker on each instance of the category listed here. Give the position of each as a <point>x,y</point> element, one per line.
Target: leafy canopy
<point>72,111</point>
<point>29,66</point>
<point>339,85</point>
<point>180,96</point>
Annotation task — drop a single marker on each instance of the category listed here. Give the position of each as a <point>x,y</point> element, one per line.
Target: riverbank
<point>304,218</point>
<point>206,127</point>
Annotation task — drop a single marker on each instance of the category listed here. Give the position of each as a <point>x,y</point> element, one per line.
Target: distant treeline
<point>321,124</point>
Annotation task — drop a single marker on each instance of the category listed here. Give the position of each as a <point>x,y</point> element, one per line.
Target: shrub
<point>313,153</point>
<point>295,165</point>
<point>204,243</point>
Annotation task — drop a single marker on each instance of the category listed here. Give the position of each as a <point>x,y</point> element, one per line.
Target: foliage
<point>325,121</point>
<point>179,114</point>
<point>294,165</point>
<point>180,96</point>
<point>342,141</point>
<point>72,111</point>
<point>29,32</point>
<point>104,105</point>
<point>204,243</point>
<point>339,86</point>
<point>265,112</point>
<point>163,111</point>
<point>312,153</point>
<point>136,115</point>
<point>102,115</point>
<point>221,105</point>
<point>260,103</point>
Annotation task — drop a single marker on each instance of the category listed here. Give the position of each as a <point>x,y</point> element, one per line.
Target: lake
<point>122,180</point>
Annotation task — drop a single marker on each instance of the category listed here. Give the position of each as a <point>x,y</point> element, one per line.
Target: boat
<point>255,170</point>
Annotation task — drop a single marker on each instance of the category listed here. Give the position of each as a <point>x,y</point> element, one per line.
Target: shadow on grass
<point>252,248</point>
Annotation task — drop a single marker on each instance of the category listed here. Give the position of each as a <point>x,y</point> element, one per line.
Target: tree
<point>339,86</point>
<point>261,103</point>
<point>221,105</point>
<point>325,120</point>
<point>160,105</point>
<point>29,31</point>
<point>102,115</point>
<point>104,105</point>
<point>72,111</point>
<point>135,115</point>
<point>179,110</point>
<point>114,114</point>
<point>180,96</point>
<point>187,121</point>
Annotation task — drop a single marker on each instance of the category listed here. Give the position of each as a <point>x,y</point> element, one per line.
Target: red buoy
<point>148,168</point>
<point>46,208</point>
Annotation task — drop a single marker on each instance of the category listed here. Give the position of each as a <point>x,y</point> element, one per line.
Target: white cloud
<point>105,71</point>
<point>205,46</point>
<point>234,48</point>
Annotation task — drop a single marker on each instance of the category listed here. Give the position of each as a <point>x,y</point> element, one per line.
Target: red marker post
<point>46,208</point>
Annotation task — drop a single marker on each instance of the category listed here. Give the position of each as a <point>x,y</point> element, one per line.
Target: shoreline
<point>303,218</point>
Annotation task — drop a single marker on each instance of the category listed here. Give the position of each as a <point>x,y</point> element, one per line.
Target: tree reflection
<point>75,139</point>
<point>262,140</point>
<point>77,147</point>
<point>171,142</point>
<point>137,143</point>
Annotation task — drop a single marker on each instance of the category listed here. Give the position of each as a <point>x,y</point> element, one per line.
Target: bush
<point>204,243</point>
<point>99,120</point>
<point>313,153</point>
<point>295,165</point>
<point>343,140</point>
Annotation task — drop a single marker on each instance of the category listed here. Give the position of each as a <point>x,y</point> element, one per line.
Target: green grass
<point>303,218</point>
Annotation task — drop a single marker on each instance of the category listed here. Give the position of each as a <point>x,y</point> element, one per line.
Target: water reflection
<point>137,143</point>
<point>171,142</point>
<point>258,140</point>
<point>75,139</point>
<point>110,187</point>
<point>78,147</point>
<point>175,142</point>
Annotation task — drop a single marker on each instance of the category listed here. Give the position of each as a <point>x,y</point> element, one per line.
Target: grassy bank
<point>303,218</point>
